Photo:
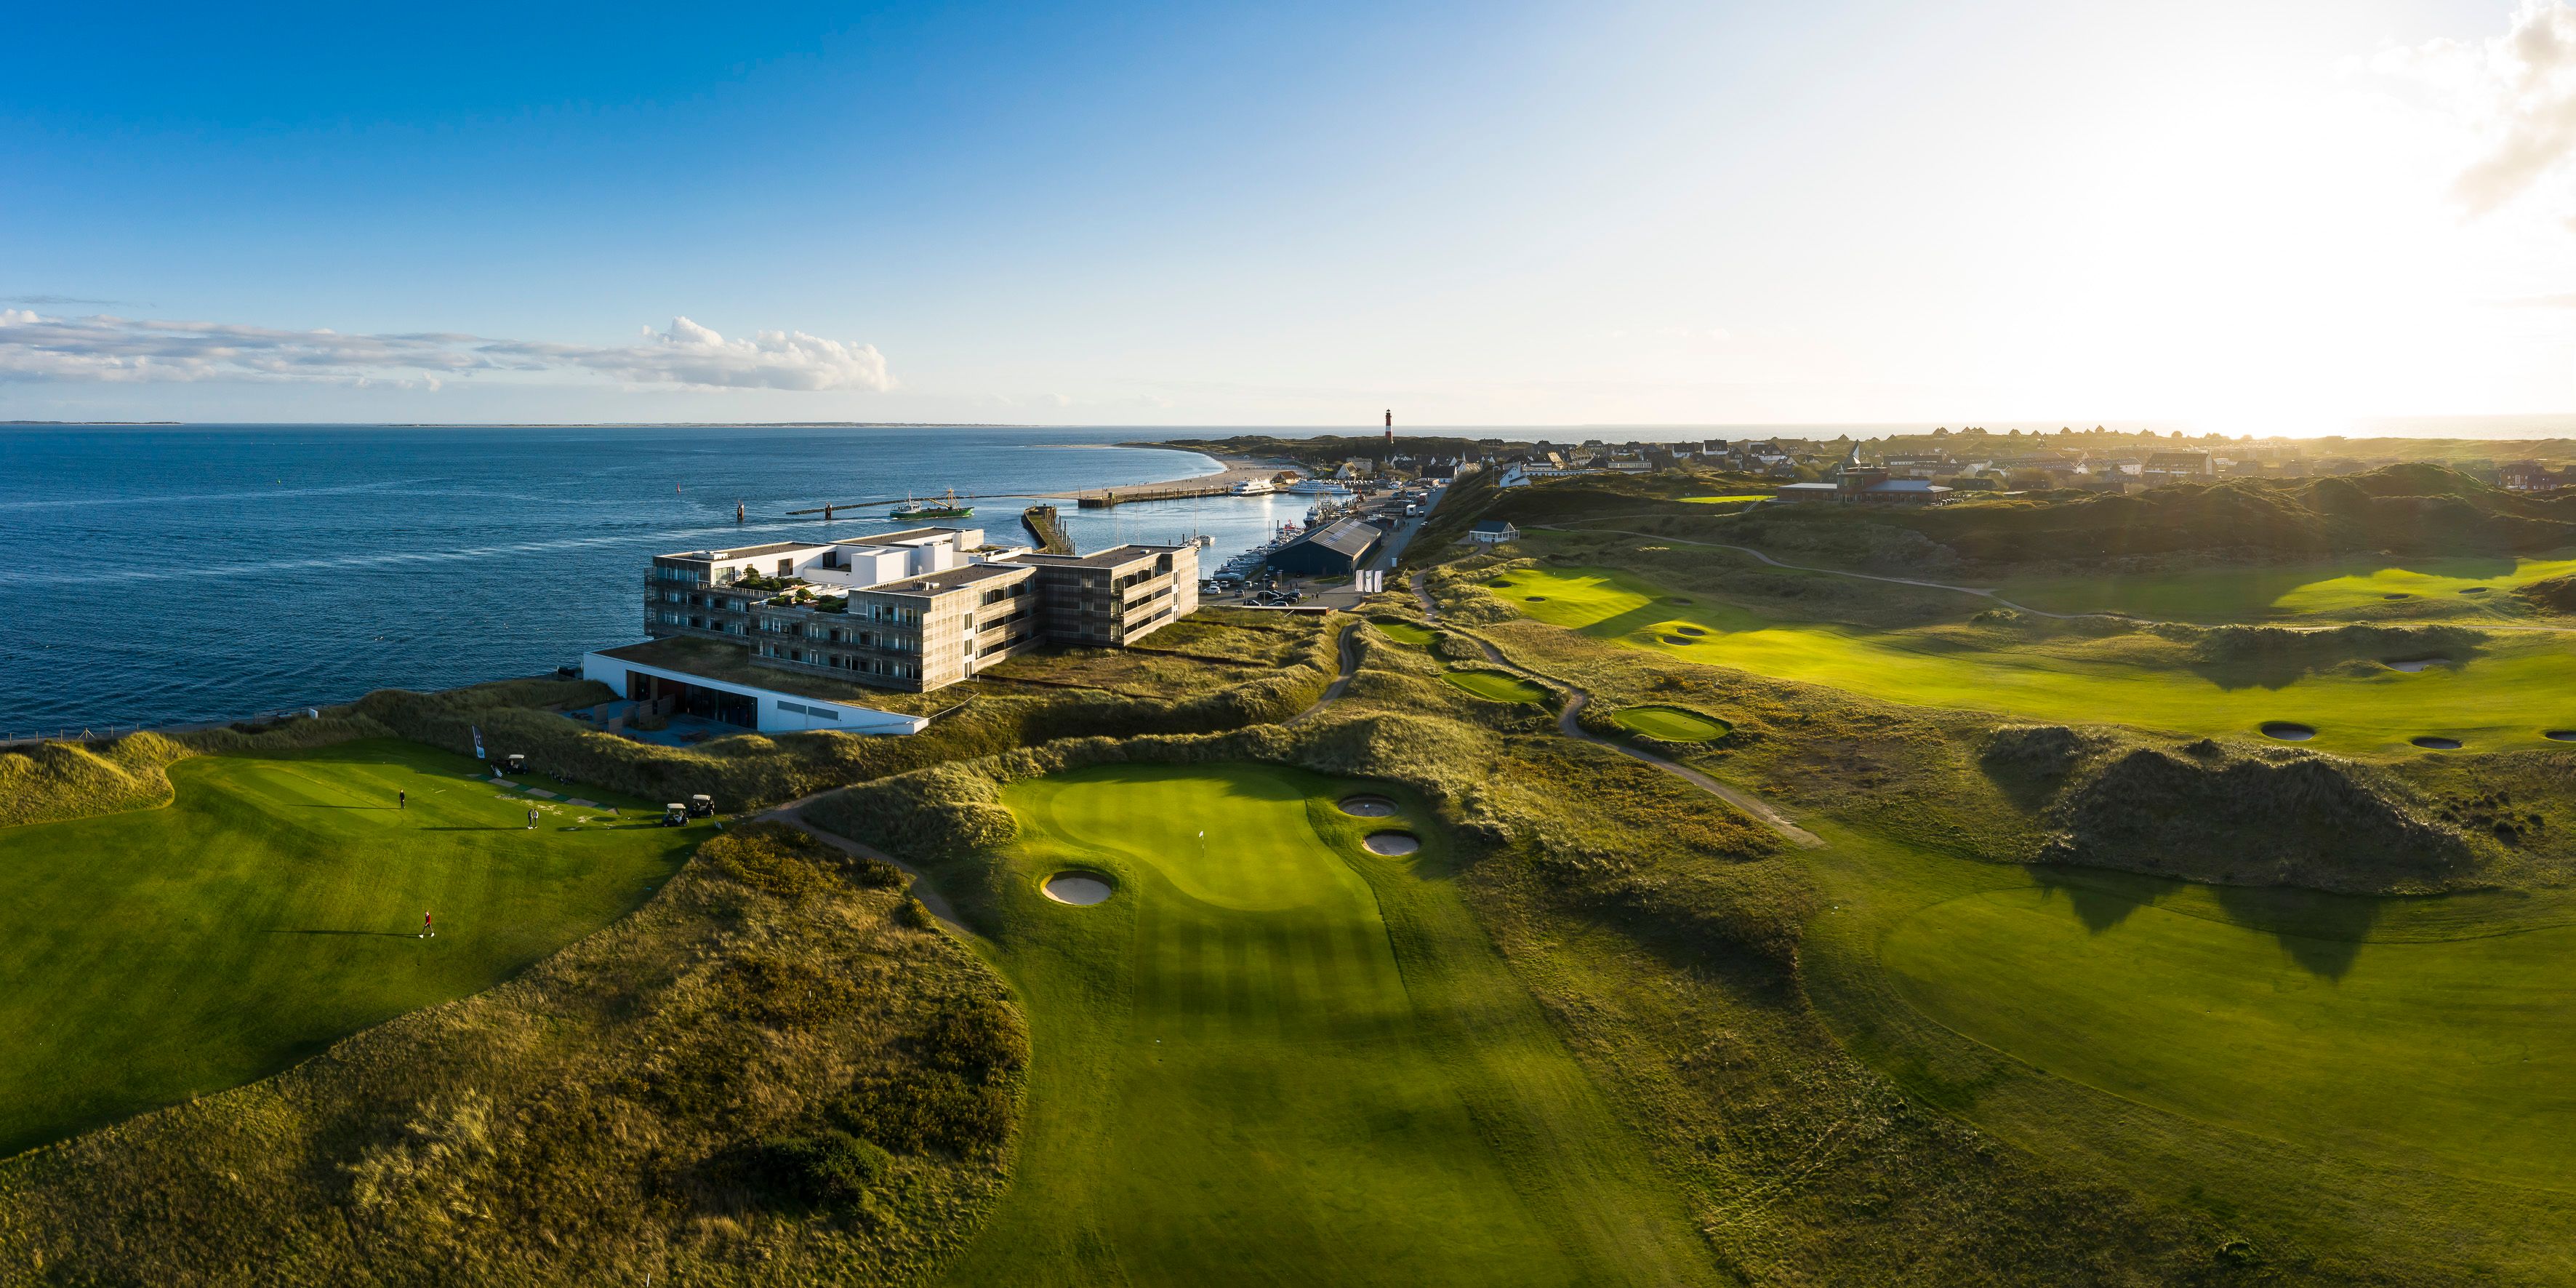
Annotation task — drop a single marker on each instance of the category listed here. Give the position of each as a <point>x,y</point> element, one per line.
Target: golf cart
<point>675,814</point>
<point>514,764</point>
<point>702,807</point>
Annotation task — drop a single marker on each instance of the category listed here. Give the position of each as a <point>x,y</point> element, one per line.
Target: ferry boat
<point>1255,487</point>
<point>946,507</point>
<point>1319,487</point>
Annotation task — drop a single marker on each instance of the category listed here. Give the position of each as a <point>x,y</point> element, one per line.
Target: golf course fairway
<point>2427,1045</point>
<point>1495,686</point>
<point>2342,588</point>
<point>275,906</point>
<point>1671,724</point>
<point>1272,1056</point>
<point>2517,686</point>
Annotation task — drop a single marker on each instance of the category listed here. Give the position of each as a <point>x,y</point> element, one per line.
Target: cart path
<point>792,814</point>
<point>1349,651</point>
<point>1569,722</point>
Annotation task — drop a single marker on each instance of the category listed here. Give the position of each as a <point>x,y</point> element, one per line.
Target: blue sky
<point>1493,213</point>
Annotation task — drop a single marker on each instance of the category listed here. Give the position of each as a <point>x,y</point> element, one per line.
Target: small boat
<point>946,507</point>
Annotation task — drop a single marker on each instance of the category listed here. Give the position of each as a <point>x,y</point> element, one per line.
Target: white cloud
<point>106,348</point>
<point>2518,91</point>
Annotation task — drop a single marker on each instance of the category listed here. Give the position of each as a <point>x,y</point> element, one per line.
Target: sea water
<point>161,575</point>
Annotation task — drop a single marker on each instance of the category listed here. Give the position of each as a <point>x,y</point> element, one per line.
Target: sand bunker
<point>2288,732</point>
<point>1392,844</point>
<point>1690,630</point>
<point>1081,889</point>
<point>1677,639</point>
<point>2399,595</point>
<point>2475,590</point>
<point>2560,735</point>
<point>2433,742</point>
<point>1368,806</point>
<point>1538,599</point>
<point>1675,599</point>
<point>2415,663</point>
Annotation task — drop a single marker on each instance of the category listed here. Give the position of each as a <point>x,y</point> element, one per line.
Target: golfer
<point>532,818</point>
<point>426,931</point>
<point>402,799</point>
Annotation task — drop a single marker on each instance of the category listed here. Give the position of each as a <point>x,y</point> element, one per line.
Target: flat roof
<point>1109,558</point>
<point>744,552</point>
<point>947,579</point>
<point>730,664</point>
<point>903,536</point>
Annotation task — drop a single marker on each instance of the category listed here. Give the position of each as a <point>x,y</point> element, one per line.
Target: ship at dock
<point>945,506</point>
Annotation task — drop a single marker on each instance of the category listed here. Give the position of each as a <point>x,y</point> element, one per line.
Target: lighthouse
<point>1390,432</point>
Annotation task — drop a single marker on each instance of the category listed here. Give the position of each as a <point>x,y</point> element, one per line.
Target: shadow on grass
<point>2099,898</point>
<point>2323,933</point>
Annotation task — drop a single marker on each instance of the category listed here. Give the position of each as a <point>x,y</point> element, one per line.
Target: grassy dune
<point>273,907</point>
<point>1274,1054</point>
<point>2518,686</point>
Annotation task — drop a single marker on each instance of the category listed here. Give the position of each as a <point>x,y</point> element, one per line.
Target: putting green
<point>2480,586</point>
<point>2522,683</point>
<point>274,907</point>
<point>1496,686</point>
<point>1671,724</point>
<point>1401,631</point>
<point>1273,1056</point>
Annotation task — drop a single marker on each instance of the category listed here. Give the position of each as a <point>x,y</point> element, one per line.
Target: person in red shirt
<point>425,931</point>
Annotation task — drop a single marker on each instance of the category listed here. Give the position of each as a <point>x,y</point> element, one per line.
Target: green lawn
<point>2380,1025</point>
<point>1671,724</point>
<point>1496,686</point>
<point>272,908</point>
<point>2520,684</point>
<point>1401,631</point>
<point>2376,1078</point>
<point>2341,588</point>
<point>1273,1057</point>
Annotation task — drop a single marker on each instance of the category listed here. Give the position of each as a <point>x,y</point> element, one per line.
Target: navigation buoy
<point>737,511</point>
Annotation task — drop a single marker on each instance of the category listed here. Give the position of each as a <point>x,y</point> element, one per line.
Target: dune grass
<point>2480,586</point>
<point>1273,1054</point>
<point>1671,724</point>
<point>273,907</point>
<point>2518,685</point>
<point>1495,686</point>
<point>2363,1076</point>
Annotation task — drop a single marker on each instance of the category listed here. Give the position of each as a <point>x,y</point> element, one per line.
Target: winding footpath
<point>1570,723</point>
<point>1349,648</point>
<point>792,815</point>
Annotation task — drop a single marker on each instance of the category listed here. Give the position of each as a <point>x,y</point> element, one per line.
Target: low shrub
<point>826,1168</point>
